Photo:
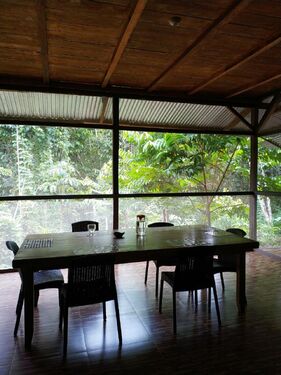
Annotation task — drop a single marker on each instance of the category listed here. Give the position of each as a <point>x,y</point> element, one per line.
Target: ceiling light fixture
<point>174,21</point>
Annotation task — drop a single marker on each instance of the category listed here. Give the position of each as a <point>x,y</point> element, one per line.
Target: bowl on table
<point>119,234</point>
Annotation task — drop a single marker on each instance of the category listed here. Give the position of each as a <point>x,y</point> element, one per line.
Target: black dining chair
<point>88,284</point>
<point>227,262</point>
<point>192,273</point>
<point>82,226</point>
<point>167,261</point>
<point>42,280</point>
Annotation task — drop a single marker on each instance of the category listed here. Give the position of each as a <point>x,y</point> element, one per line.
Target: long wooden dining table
<point>61,250</point>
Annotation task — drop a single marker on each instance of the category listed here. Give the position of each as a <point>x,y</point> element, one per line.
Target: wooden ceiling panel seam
<point>43,37</point>
<point>224,18</point>
<point>253,86</point>
<point>251,55</point>
<point>134,18</point>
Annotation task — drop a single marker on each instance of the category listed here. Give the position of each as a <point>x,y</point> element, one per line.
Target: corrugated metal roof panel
<point>67,108</point>
<point>144,112</point>
<point>274,139</point>
<point>45,106</point>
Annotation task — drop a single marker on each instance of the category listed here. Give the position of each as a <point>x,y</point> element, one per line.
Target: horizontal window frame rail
<point>155,128</point>
<point>121,195</point>
<point>186,194</point>
<point>56,123</point>
<point>269,193</point>
<point>161,129</point>
<point>127,93</point>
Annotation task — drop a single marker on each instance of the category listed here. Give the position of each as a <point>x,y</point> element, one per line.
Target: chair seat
<point>224,266</point>
<point>187,283</point>
<point>48,279</point>
<point>169,261</point>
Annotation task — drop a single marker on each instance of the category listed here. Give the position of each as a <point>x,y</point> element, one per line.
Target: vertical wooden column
<point>254,175</point>
<point>115,162</point>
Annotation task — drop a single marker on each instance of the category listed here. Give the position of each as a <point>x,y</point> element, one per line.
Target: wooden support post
<point>115,162</point>
<point>253,176</point>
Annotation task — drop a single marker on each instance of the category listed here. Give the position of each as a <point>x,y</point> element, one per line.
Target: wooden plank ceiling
<point>222,49</point>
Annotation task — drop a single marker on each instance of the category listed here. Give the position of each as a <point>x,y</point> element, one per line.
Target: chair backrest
<point>11,245</point>
<point>194,272</point>
<point>82,226</point>
<point>160,224</point>
<point>238,231</point>
<point>89,284</point>
<point>230,259</point>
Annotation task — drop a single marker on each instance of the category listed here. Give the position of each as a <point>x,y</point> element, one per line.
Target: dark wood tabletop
<point>60,249</point>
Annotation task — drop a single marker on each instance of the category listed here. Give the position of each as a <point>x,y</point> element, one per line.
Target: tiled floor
<point>249,344</point>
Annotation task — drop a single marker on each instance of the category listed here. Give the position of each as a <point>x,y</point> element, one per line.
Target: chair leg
<point>157,282</point>
<point>61,309</point>
<point>146,272</point>
<point>61,319</point>
<point>36,297</point>
<point>196,299</point>
<point>222,281</point>
<point>161,295</point>
<point>217,303</point>
<point>209,300</point>
<point>65,330</point>
<point>118,320</point>
<point>174,313</point>
<point>104,310</point>
<point>18,312</point>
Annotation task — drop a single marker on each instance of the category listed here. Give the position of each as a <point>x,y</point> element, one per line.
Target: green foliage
<point>38,160</point>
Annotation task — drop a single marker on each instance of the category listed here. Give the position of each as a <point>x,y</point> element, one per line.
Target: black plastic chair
<point>227,263</point>
<point>42,280</point>
<point>168,261</point>
<point>88,284</point>
<point>82,226</point>
<point>192,273</point>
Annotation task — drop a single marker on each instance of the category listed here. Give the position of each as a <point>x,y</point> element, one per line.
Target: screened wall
<point>109,162</point>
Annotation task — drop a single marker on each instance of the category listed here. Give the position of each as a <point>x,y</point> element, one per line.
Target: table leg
<point>241,283</point>
<point>28,292</point>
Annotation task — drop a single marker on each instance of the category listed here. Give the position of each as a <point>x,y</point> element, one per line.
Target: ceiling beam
<point>133,21</point>
<point>43,39</point>
<point>254,86</point>
<point>271,109</point>
<point>122,126</point>
<point>271,141</point>
<point>222,20</point>
<point>254,53</point>
<point>92,90</point>
<point>236,121</point>
<point>270,132</point>
<point>240,117</point>
<point>103,110</point>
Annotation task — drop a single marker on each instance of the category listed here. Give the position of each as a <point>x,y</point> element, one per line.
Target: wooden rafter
<point>210,31</point>
<point>270,132</point>
<point>254,86</point>
<point>137,12</point>
<point>42,31</point>
<point>240,117</point>
<point>256,52</point>
<point>103,110</point>
<point>236,121</point>
<point>271,141</point>
<point>265,118</point>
